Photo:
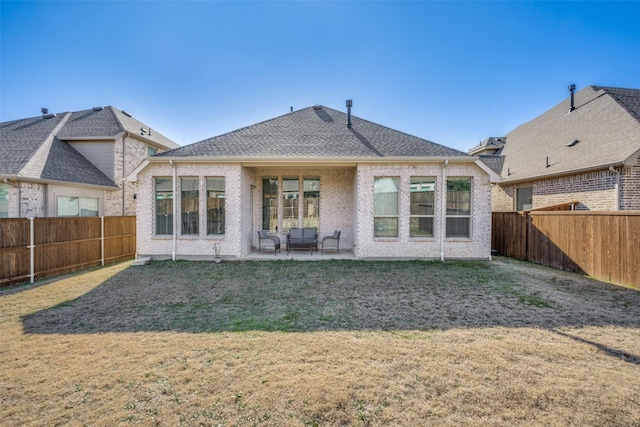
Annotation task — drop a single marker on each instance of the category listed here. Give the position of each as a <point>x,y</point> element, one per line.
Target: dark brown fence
<point>605,245</point>
<point>35,248</point>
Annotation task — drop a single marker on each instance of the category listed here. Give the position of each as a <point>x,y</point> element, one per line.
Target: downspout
<point>16,186</point>
<point>443,214</point>
<point>175,211</point>
<point>124,136</point>
<point>617,188</point>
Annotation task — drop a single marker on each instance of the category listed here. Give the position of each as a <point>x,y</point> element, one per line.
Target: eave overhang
<point>288,162</point>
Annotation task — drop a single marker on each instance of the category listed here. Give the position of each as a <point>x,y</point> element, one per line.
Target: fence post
<point>32,240</point>
<point>102,241</point>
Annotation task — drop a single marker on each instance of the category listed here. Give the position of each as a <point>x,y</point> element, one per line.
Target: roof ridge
<point>612,92</point>
<point>111,109</point>
<point>37,162</point>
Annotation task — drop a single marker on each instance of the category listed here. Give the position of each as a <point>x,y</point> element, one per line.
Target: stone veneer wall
<point>478,246</point>
<point>593,190</point>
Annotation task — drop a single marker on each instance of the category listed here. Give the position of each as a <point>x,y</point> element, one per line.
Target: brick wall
<point>630,188</point>
<point>338,192</point>
<point>478,246</point>
<point>135,152</point>
<point>594,191</point>
<point>32,199</point>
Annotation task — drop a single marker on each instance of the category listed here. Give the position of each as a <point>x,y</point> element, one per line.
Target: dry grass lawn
<point>320,343</point>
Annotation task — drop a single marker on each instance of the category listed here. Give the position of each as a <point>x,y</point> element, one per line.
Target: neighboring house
<point>389,193</point>
<point>73,164</point>
<point>583,152</point>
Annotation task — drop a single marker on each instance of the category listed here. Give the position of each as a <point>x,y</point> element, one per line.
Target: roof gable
<point>602,130</point>
<point>314,132</point>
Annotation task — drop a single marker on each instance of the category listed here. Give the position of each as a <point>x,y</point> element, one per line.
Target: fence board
<point>62,245</point>
<point>605,245</point>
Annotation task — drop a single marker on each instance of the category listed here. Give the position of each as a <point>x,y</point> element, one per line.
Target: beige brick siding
<point>346,204</point>
<point>135,151</point>
<point>478,246</point>
<point>32,199</point>
<point>593,190</point>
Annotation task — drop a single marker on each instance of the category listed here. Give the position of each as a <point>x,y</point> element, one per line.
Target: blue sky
<point>451,72</point>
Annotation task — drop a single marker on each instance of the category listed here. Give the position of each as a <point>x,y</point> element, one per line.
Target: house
<point>73,163</point>
<point>389,193</point>
<point>582,153</point>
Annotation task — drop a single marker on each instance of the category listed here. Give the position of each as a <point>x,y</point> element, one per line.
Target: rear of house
<point>391,195</point>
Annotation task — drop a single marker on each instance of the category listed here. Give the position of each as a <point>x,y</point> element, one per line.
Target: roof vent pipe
<point>349,105</point>
<point>572,88</point>
<point>44,111</point>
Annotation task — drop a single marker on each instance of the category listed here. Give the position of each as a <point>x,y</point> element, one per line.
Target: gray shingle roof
<point>495,162</point>
<point>605,124</point>
<point>20,139</point>
<point>314,132</point>
<point>109,121</point>
<point>34,148</point>
<point>65,164</point>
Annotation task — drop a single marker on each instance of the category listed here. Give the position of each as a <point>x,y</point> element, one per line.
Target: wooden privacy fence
<point>34,248</point>
<point>604,245</point>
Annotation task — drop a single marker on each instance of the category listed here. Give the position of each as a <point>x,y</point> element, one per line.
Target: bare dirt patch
<point>323,343</point>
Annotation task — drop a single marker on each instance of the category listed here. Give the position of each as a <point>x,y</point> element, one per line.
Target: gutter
<point>560,174</point>
<point>278,160</point>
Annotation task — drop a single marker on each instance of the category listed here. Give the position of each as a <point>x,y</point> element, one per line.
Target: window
<point>4,200</point>
<point>311,207</point>
<point>421,212</point>
<point>458,207</point>
<point>77,206</point>
<point>524,199</point>
<point>151,151</point>
<point>215,206</point>
<point>270,204</point>
<point>290,199</point>
<point>189,205</point>
<point>385,207</point>
<point>164,205</point>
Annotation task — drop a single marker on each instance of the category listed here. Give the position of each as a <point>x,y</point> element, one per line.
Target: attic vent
<point>572,143</point>
<point>317,107</point>
<point>98,108</point>
<point>126,113</point>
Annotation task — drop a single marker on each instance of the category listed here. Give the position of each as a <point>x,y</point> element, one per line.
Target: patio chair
<point>269,241</point>
<point>331,242</point>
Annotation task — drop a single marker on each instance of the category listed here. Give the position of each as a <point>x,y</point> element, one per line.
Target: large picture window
<point>215,206</point>
<point>189,205</point>
<point>164,205</point>
<point>311,207</point>
<point>290,201</point>
<point>385,207</point>
<point>270,204</point>
<point>77,206</point>
<point>458,207</point>
<point>421,212</point>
